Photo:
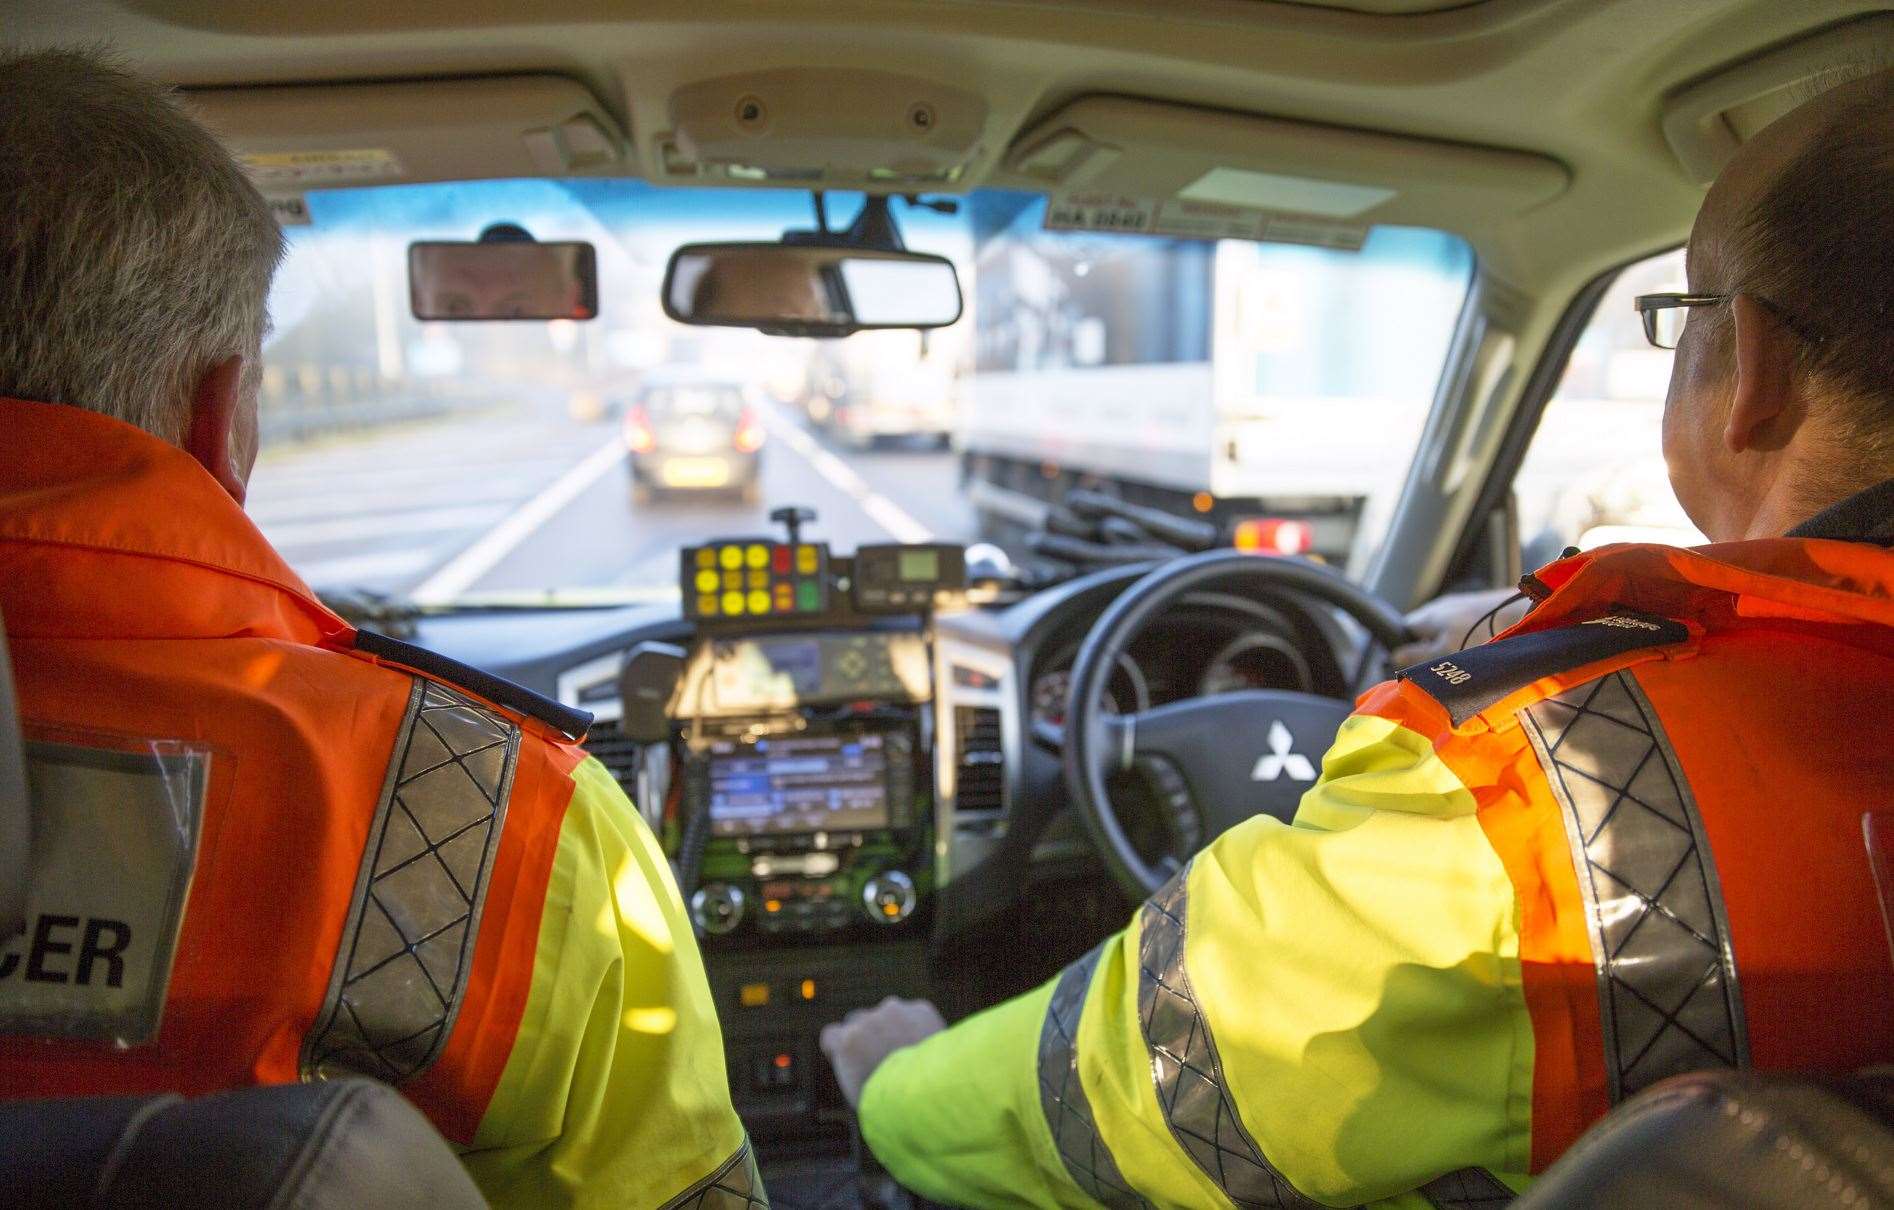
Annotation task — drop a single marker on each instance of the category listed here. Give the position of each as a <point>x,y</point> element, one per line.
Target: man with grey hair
<point>396,866</point>
<point>137,261</point>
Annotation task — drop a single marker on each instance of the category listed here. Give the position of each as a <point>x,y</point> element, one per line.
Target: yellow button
<point>757,556</point>
<point>806,560</point>
<point>733,604</point>
<point>731,557</point>
<point>707,606</point>
<point>733,579</point>
<point>759,602</point>
<point>807,989</point>
<point>706,557</point>
<point>759,579</point>
<point>753,995</point>
<point>706,581</point>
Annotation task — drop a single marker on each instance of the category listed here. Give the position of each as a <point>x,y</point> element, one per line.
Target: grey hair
<point>134,252</point>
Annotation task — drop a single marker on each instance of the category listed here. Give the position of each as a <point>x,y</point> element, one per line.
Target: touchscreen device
<point>823,783</point>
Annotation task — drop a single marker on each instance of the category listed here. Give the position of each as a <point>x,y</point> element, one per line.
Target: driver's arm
<point>1332,1008</point>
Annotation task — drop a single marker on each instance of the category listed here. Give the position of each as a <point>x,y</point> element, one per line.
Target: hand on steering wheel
<point>1225,758</point>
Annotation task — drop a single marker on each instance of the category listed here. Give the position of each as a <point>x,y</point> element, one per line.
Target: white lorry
<point>1229,379</point>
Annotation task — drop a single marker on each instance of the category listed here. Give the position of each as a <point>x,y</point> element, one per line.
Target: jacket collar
<point>1863,517</point>
<point>105,530</point>
<point>1809,577</point>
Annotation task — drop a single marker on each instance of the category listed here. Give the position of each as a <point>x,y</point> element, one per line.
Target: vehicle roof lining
<point>1582,83</point>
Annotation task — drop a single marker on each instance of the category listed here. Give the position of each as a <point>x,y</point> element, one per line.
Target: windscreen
<point>570,461</point>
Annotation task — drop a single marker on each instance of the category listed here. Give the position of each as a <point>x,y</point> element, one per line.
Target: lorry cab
<point>1328,302</point>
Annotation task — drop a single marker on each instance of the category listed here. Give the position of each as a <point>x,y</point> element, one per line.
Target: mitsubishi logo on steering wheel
<point>1281,758</point>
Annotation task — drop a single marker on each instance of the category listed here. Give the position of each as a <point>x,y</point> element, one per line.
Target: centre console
<point>802,803</point>
<point>815,829</point>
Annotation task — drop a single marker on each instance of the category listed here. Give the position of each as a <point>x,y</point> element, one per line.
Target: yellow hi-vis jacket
<point>1623,841</point>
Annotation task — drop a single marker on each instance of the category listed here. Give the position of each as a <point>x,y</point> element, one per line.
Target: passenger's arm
<point>1330,1010</point>
<point>615,1092</point>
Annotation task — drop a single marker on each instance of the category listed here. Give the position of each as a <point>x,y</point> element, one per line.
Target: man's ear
<point>214,406</point>
<point>1764,356</point>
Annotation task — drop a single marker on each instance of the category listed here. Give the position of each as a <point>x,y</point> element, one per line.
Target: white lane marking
<point>461,571</point>
<point>882,511</point>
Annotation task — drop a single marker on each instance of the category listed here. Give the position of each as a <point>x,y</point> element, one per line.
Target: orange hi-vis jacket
<point>1625,840</point>
<point>403,869</point>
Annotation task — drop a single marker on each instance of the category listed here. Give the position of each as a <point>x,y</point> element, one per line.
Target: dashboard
<point>853,789</point>
<point>1211,646</point>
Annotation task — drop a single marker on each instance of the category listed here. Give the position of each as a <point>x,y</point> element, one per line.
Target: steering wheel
<point>1218,760</point>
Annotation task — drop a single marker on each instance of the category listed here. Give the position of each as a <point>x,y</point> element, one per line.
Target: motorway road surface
<point>523,497</point>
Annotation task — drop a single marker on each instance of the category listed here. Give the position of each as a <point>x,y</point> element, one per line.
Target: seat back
<point>1716,1140</point>
<point>339,1145</point>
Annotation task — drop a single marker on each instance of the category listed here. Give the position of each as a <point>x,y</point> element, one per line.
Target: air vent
<point>617,753</point>
<point>980,762</point>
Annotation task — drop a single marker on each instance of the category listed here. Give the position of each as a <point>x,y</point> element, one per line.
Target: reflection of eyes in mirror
<point>457,281</point>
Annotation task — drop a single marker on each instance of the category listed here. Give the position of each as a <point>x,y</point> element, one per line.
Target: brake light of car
<point>638,435</point>
<point>1274,536</point>
<point>749,436</point>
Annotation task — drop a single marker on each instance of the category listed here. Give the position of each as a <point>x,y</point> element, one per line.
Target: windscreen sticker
<point>1192,219</point>
<point>290,210</point>
<point>289,170</point>
<point>114,843</point>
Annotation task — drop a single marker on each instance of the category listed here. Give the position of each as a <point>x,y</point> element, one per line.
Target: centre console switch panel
<point>755,579</point>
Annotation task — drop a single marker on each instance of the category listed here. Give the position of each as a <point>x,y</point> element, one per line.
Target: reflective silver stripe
<point>408,942</point>
<point>1467,1189</point>
<point>1190,1085</point>
<point>1668,995</point>
<point>735,1185</point>
<point>1062,1095</point>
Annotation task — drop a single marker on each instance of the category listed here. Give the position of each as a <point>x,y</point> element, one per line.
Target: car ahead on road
<point>1193,239</point>
<point>694,435</point>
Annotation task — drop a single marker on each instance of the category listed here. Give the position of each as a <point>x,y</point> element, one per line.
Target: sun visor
<point>324,136</point>
<point>1707,121</point>
<point>1128,164</point>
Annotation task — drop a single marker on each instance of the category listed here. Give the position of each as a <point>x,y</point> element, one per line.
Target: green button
<point>808,597</point>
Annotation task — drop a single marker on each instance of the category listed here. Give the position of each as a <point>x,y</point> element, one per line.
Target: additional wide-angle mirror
<point>515,279</point>
<point>809,289</point>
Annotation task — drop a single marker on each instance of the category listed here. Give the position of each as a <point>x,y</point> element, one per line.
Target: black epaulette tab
<point>571,722</point>
<point>1474,679</point>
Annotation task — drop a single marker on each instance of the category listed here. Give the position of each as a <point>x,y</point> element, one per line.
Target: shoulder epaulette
<point>1470,681</point>
<point>571,722</point>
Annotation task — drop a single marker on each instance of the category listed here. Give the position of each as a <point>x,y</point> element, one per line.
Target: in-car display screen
<point>821,783</point>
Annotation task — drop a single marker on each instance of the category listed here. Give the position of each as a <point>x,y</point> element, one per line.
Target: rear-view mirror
<point>809,289</point>
<point>510,280</point>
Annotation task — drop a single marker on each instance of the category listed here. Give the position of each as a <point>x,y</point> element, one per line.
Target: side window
<point>1594,473</point>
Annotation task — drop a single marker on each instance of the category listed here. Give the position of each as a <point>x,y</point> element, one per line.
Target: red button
<point>779,560</point>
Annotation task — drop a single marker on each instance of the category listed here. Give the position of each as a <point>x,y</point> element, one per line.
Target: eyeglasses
<point>1664,314</point>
